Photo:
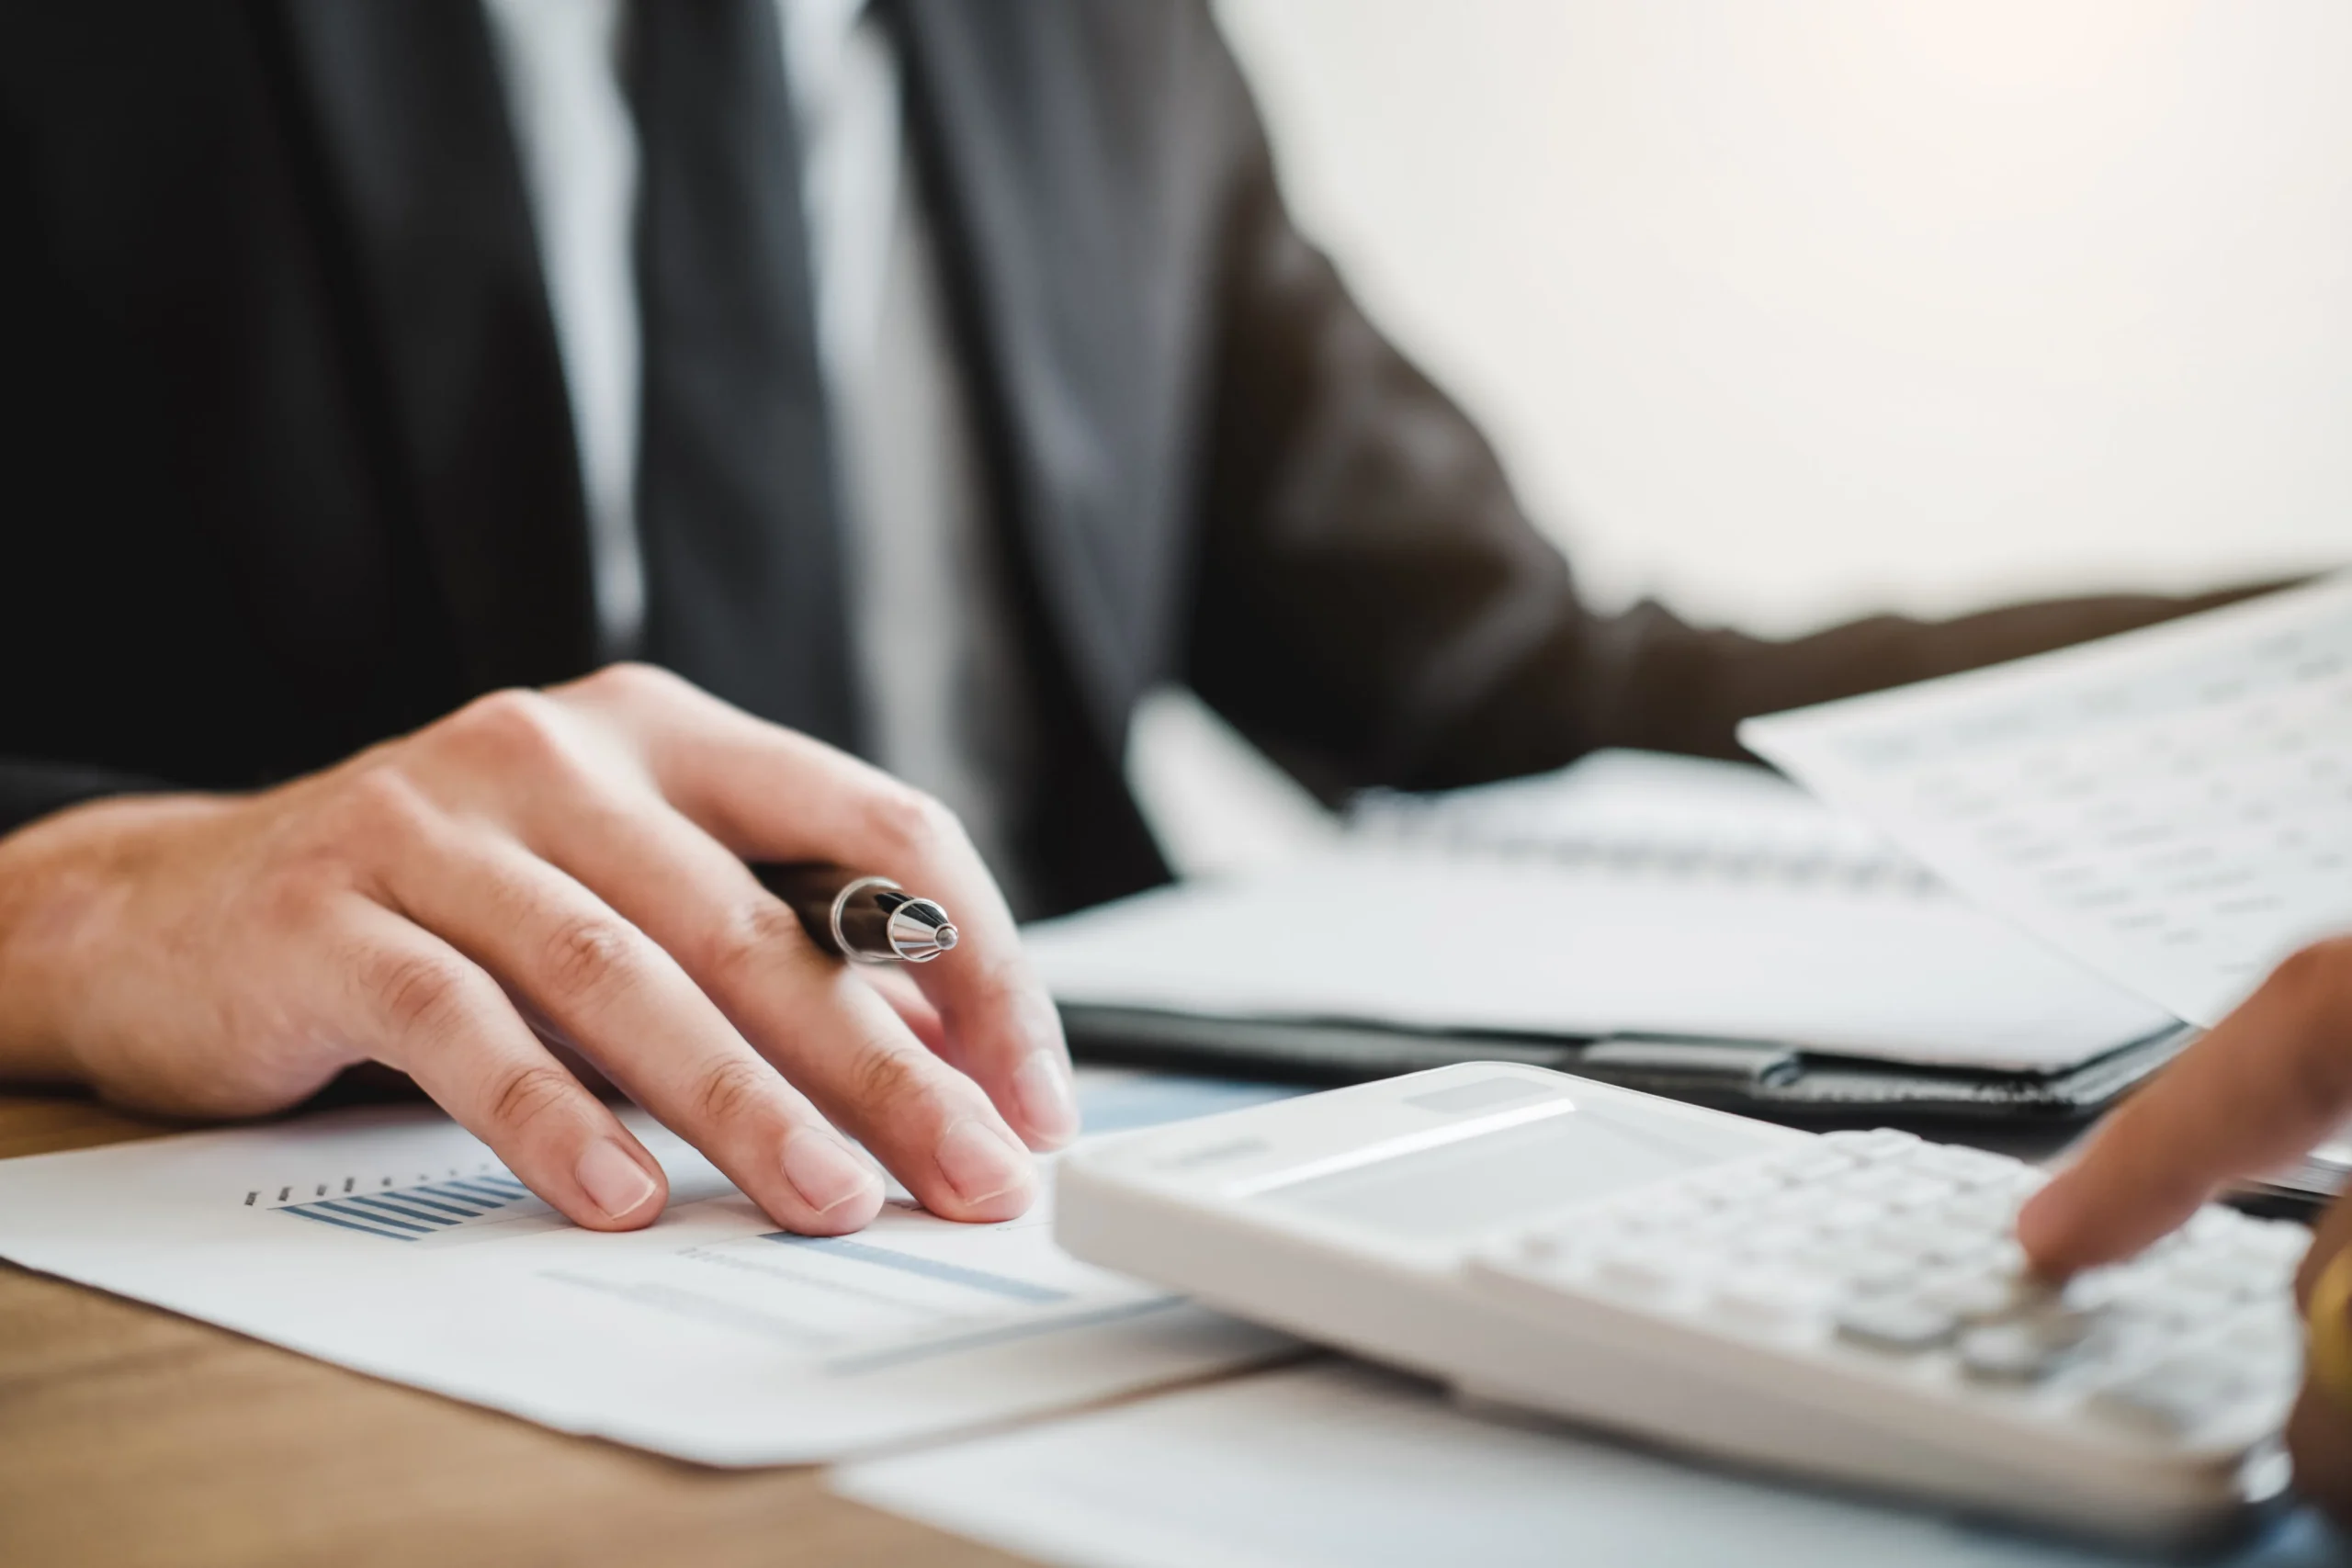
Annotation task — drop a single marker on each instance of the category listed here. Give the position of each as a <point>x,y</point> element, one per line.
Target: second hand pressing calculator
<point>1844,1305</point>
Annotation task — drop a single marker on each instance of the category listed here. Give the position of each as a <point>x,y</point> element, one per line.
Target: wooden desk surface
<point>131,1437</point>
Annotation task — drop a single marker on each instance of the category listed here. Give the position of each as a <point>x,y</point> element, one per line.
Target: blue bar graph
<point>1005,1285</point>
<point>411,1213</point>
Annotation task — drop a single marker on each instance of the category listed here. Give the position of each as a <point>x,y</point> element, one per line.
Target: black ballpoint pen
<point>867,920</point>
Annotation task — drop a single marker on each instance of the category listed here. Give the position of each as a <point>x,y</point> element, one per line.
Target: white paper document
<point>1691,819</point>
<point>1428,938</point>
<point>1337,1466</point>
<point>2171,807</point>
<point>389,1240</point>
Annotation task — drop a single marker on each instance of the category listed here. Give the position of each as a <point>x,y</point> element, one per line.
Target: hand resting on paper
<point>2268,1084</point>
<point>537,875</point>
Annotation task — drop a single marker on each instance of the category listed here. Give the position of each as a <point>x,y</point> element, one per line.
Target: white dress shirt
<point>933,633</point>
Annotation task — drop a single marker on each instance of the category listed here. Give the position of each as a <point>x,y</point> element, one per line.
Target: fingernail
<point>612,1181</point>
<point>1041,1090</point>
<point>981,1163</point>
<point>823,1171</point>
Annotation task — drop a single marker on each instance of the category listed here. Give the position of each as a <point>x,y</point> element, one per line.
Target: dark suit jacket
<point>289,467</point>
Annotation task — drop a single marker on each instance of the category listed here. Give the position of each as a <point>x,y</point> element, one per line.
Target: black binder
<point>1774,1081</point>
<point>1614,825</point>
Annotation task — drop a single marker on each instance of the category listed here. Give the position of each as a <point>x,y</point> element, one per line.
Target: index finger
<point>771,795</point>
<point>2269,1083</point>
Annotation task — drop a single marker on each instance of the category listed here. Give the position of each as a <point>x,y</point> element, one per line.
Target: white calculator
<point>1844,1305</point>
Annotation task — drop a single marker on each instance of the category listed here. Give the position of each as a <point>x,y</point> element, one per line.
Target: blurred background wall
<point>1782,312</point>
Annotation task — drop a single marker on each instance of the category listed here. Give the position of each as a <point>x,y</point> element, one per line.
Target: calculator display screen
<point>1518,1172</point>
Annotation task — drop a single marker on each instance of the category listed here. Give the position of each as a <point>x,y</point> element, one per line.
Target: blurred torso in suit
<point>296,464</point>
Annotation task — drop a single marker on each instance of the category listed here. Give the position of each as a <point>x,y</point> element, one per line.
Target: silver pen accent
<point>865,918</point>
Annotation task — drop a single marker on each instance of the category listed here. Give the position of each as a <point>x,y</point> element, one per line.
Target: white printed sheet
<point>390,1241</point>
<point>2171,807</point>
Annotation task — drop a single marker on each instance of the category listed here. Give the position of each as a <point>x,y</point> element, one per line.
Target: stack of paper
<point>1628,896</point>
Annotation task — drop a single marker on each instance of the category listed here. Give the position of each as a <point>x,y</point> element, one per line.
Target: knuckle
<point>421,993</point>
<point>887,1079</point>
<point>529,1092</point>
<point>302,890</point>
<point>628,682</point>
<point>587,953</point>
<point>910,822</point>
<point>759,933</point>
<point>733,1088</point>
<point>385,806</point>
<point>516,728</point>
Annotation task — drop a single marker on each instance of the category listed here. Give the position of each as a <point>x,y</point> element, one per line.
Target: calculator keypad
<point>1893,1256</point>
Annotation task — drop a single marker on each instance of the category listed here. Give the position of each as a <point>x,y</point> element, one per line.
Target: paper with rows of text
<point>2171,807</point>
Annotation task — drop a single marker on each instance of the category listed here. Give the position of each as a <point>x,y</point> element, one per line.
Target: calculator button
<point>2266,1334</point>
<point>1879,1271</point>
<point>1981,1297</point>
<point>1791,1205</point>
<point>2279,1243</point>
<point>2005,1353</point>
<point>2019,1184</point>
<point>2023,1350</point>
<point>1844,1213</point>
<point>1904,1239</point>
<point>2155,1309</point>
<point>2176,1397</point>
<point>1905,1191</point>
<point>2190,1299</point>
<point>1949,1244</point>
<point>1979,1210</point>
<point>2216,1279</point>
<point>1773,1238</point>
<point>1716,1232</point>
<point>1816,1164</point>
<point>1963,1167</point>
<point>1903,1325</point>
<point>1863,1181</point>
<point>1879,1144</point>
<point>1825,1258</point>
<point>2006,1257</point>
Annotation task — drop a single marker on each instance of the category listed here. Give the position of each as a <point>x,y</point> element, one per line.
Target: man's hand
<point>2272,1080</point>
<point>565,868</point>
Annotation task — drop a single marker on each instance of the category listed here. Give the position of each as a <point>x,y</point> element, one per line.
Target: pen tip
<point>920,930</point>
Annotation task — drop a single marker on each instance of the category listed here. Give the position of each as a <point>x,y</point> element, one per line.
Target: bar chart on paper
<point>910,1289</point>
<point>374,1237</point>
<point>395,1210</point>
<point>414,1205</point>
